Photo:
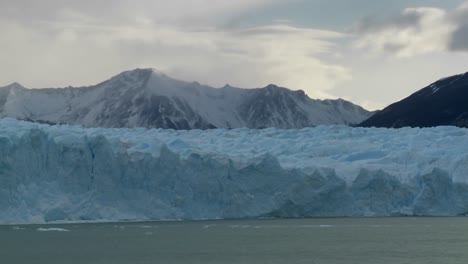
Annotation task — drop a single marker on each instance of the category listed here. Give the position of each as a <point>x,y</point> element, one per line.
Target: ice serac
<point>151,99</point>
<point>67,173</point>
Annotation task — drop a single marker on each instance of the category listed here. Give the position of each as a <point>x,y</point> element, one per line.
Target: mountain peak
<point>15,85</point>
<point>153,71</point>
<point>141,73</point>
<point>272,86</point>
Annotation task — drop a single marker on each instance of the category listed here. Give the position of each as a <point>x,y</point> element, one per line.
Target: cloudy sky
<point>370,52</point>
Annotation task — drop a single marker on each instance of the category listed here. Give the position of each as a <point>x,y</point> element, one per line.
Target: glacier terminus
<point>69,173</point>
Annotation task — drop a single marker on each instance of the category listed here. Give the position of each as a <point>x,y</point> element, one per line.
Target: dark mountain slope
<point>443,103</point>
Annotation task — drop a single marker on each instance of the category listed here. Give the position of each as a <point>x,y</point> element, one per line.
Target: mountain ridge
<point>442,103</point>
<point>149,98</point>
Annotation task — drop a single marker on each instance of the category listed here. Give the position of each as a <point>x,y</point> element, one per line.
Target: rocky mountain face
<point>151,99</point>
<point>443,103</point>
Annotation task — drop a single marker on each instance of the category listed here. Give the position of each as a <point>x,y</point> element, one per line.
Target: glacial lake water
<point>289,241</point>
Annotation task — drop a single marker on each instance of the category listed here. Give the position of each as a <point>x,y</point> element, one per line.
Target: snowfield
<point>67,173</point>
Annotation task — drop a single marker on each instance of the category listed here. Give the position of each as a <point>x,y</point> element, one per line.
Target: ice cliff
<point>67,173</point>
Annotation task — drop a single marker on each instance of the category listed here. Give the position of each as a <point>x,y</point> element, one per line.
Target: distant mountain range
<point>443,103</point>
<point>151,99</point>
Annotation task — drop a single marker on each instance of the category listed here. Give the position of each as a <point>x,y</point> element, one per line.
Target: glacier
<point>69,173</point>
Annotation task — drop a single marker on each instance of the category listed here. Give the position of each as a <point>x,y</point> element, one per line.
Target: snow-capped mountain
<point>443,103</point>
<point>151,99</point>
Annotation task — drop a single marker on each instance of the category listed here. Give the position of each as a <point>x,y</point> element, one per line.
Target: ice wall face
<point>63,173</point>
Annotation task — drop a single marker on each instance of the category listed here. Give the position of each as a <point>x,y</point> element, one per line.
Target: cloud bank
<point>416,31</point>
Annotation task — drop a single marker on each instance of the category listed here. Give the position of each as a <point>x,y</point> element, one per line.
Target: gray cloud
<point>372,24</point>
<point>187,13</point>
<point>459,40</point>
<point>393,47</point>
<point>416,31</point>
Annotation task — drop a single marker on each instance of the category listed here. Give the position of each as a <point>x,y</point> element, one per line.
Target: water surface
<point>311,241</point>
